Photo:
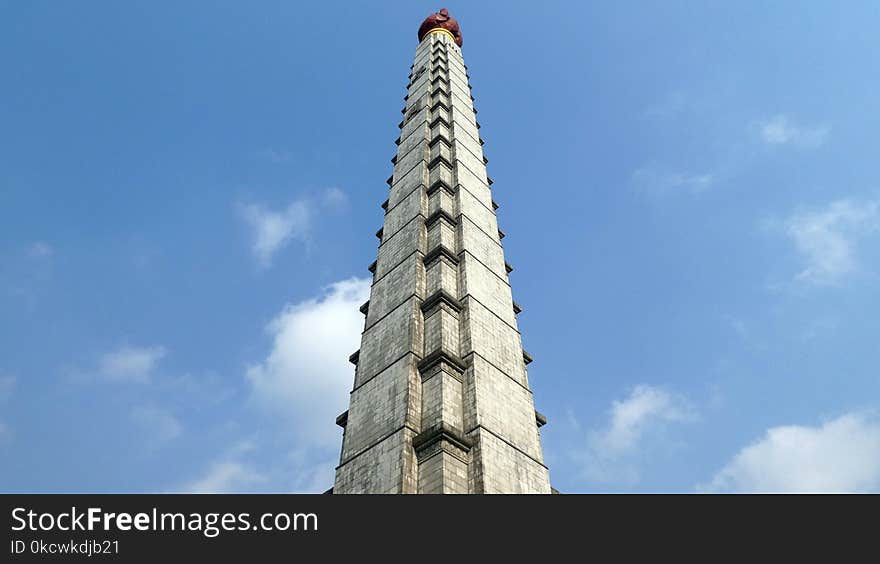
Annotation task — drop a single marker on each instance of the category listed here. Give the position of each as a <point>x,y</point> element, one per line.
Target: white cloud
<point>306,376</point>
<point>631,422</point>
<point>826,238</point>
<point>130,364</point>
<point>158,424</point>
<point>629,419</point>
<point>780,130</point>
<point>40,250</point>
<point>656,181</point>
<point>271,230</point>
<point>308,471</point>
<point>226,476</point>
<point>317,478</point>
<point>244,468</point>
<point>334,198</point>
<point>301,385</point>
<point>842,455</point>
<point>206,388</point>
<point>745,331</point>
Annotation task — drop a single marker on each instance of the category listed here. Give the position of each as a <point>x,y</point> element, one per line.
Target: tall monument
<point>441,400</point>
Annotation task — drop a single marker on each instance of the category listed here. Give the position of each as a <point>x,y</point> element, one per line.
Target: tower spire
<point>441,400</point>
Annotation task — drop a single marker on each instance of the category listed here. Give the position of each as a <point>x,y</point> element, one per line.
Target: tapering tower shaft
<point>441,400</point>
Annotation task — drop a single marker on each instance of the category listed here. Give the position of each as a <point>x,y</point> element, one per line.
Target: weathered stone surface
<point>481,245</point>
<point>486,334</point>
<point>502,405</point>
<point>413,125</point>
<point>441,200</point>
<point>413,204</point>
<point>441,330</point>
<point>497,467</point>
<point>412,179</point>
<point>398,333</point>
<point>401,283</point>
<point>408,239</point>
<point>415,155</point>
<point>473,163</point>
<point>444,472</point>
<point>467,133</point>
<point>477,186</point>
<point>442,274</point>
<point>479,213</point>
<point>388,467</point>
<point>442,233</point>
<point>477,281</point>
<point>442,399</point>
<point>382,406</point>
<point>414,139</point>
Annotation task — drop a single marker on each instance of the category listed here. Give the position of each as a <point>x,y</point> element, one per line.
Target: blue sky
<point>188,197</point>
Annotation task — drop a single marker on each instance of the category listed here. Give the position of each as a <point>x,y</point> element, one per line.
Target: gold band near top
<point>442,30</point>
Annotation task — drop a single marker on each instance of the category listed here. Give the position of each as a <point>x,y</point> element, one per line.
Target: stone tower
<point>441,401</point>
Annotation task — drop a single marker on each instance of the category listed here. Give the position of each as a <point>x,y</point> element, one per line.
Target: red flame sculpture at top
<point>443,20</point>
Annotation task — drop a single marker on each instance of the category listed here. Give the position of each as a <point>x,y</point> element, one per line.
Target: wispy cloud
<point>629,419</point>
<point>334,198</point>
<point>819,327</point>
<point>306,374</point>
<point>609,456</point>
<point>781,130</point>
<point>826,238</point>
<point>277,156</point>
<point>842,455</point>
<point>654,181</point>
<point>158,424</point>
<point>310,474</point>
<point>7,383</point>
<point>271,230</point>
<point>249,467</point>
<point>745,331</point>
<point>40,250</point>
<point>228,474</point>
<point>130,364</point>
<point>207,388</point>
